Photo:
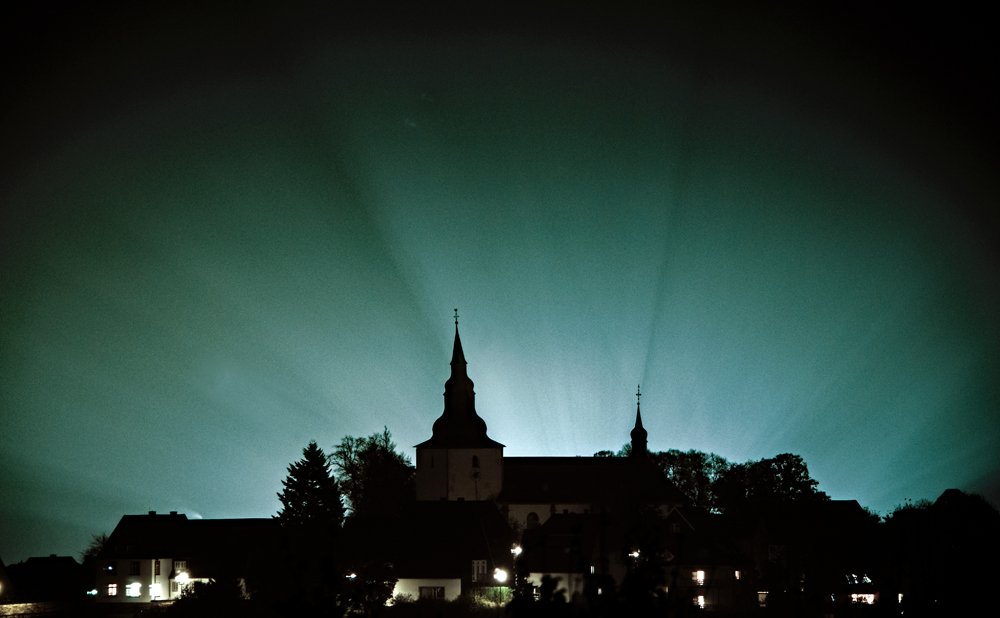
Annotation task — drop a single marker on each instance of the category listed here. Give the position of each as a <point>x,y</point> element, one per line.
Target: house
<point>150,558</point>
<point>49,578</point>
<point>808,555</point>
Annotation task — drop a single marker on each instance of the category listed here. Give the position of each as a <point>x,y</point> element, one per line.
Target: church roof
<point>459,426</point>
<point>584,480</point>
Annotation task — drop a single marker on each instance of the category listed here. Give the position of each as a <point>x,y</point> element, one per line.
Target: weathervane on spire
<point>456,316</point>
<point>637,396</point>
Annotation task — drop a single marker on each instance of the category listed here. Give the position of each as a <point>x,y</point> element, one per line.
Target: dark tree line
<point>712,483</point>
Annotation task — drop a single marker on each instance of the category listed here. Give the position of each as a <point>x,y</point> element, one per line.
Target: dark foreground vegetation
<point>876,566</point>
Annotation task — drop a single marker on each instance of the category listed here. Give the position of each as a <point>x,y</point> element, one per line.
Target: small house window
<point>112,590</point>
<point>478,570</point>
<point>180,565</point>
<point>132,590</point>
<point>431,592</point>
<point>738,574</point>
<point>156,568</point>
<point>475,461</point>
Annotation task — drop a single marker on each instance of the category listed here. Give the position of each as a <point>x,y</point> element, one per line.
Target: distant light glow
<point>500,575</point>
<point>701,601</point>
<point>156,591</point>
<point>133,590</point>
<point>92,592</point>
<point>516,551</point>
<point>182,578</point>
<point>352,576</point>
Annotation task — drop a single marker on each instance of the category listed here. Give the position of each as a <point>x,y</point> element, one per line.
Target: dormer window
<point>475,461</point>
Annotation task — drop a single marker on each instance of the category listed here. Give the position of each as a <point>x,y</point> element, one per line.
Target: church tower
<point>459,462</point>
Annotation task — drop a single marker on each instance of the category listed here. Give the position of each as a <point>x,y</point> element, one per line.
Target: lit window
<point>700,602</point>
<point>112,590</point>
<point>591,569</point>
<point>478,570</point>
<point>132,590</point>
<point>738,574</point>
<point>155,591</point>
<point>867,599</point>
<point>698,577</point>
<point>762,598</point>
<point>133,567</point>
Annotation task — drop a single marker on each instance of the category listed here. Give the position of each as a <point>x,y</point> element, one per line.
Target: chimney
<point>152,512</point>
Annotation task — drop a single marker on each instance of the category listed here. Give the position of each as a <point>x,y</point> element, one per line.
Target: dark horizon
<point>224,235</point>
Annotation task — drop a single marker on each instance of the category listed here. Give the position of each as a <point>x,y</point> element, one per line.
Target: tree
<point>311,493</point>
<point>303,579</point>
<point>97,542</point>
<point>782,478</point>
<point>374,478</point>
<point>694,473</point>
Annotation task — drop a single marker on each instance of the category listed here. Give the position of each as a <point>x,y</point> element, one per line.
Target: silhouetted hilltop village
<point>468,531</point>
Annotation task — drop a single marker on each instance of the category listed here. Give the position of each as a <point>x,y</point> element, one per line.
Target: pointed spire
<point>459,426</point>
<point>638,434</point>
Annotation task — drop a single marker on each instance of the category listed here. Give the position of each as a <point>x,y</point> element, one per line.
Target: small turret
<point>638,434</point>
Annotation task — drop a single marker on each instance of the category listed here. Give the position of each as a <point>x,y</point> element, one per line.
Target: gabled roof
<point>584,480</point>
<point>459,426</point>
<point>176,536</point>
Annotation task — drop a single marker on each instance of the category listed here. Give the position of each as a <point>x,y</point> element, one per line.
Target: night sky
<point>227,234</point>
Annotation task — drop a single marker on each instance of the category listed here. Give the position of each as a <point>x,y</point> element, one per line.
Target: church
<point>557,507</point>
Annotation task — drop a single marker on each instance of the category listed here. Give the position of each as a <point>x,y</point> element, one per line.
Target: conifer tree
<point>311,494</point>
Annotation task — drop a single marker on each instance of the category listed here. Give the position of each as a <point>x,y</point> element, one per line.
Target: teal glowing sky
<point>221,241</point>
